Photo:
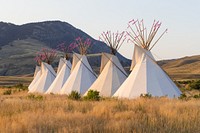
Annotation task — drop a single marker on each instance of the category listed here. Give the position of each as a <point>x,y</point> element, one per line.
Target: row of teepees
<point>146,76</point>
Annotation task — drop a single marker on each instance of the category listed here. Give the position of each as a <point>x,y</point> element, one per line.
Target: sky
<point>180,17</point>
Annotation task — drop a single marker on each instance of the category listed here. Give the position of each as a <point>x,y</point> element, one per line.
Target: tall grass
<point>54,113</point>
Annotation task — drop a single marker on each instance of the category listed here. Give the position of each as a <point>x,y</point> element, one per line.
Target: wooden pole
<point>148,37</point>
<point>139,41</point>
<point>158,39</point>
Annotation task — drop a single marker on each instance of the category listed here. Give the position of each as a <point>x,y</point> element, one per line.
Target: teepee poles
<point>155,30</point>
<point>158,39</point>
<point>114,40</point>
<point>45,55</point>
<point>139,35</point>
<point>82,44</point>
<point>66,49</point>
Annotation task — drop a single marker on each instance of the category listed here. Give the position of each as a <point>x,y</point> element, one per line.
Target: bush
<point>34,97</point>
<point>182,96</point>
<point>92,95</point>
<point>7,92</point>
<point>185,82</point>
<point>74,95</point>
<point>196,96</point>
<point>146,95</point>
<point>20,86</point>
<point>195,85</point>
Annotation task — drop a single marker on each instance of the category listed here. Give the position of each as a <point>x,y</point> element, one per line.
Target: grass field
<point>22,112</point>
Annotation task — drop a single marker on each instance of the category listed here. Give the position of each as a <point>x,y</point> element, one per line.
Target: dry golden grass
<point>52,113</point>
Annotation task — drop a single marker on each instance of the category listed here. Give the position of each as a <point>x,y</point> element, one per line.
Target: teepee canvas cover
<point>61,78</point>
<point>81,78</point>
<point>36,76</point>
<point>76,59</point>
<point>60,64</point>
<point>146,78</point>
<point>37,69</point>
<point>111,77</point>
<point>45,80</point>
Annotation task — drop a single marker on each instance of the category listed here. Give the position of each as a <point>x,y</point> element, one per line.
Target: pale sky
<point>181,17</point>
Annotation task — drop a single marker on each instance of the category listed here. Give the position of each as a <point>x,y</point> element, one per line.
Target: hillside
<point>183,68</point>
<point>19,43</point>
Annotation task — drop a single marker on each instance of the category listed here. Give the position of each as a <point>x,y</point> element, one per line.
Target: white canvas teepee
<point>111,77</point>
<point>45,80</point>
<point>60,79</point>
<point>146,76</point>
<point>60,64</point>
<point>81,78</point>
<point>36,76</point>
<point>37,69</point>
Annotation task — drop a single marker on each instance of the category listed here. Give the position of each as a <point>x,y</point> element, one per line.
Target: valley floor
<point>22,112</point>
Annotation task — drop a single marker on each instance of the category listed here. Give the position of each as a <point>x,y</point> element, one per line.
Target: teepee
<point>82,76</point>
<point>61,77</point>
<point>60,64</point>
<point>36,76</point>
<point>47,77</point>
<point>112,73</point>
<point>147,77</point>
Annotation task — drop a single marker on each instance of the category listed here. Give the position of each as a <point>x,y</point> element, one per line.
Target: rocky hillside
<point>19,43</point>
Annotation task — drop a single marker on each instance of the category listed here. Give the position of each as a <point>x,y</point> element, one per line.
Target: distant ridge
<point>19,43</point>
<point>183,68</point>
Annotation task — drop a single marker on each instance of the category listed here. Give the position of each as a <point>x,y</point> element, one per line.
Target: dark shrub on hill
<point>195,85</point>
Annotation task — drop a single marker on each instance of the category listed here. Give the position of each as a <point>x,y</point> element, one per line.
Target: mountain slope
<point>19,43</point>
